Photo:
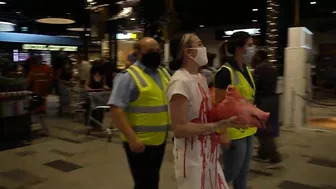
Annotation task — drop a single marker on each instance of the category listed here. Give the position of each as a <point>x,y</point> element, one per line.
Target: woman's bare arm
<point>87,84</point>
<point>179,115</point>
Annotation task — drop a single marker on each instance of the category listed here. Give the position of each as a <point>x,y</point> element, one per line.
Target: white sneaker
<point>274,165</point>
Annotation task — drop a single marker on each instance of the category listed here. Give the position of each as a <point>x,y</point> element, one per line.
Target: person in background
<point>267,100</point>
<point>110,70</point>
<point>208,70</point>
<point>39,80</point>
<point>140,111</point>
<point>96,82</point>
<point>237,143</point>
<point>134,56</point>
<point>84,68</point>
<point>64,76</point>
<point>196,143</point>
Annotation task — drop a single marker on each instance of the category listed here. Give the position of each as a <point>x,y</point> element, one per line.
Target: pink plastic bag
<point>236,105</point>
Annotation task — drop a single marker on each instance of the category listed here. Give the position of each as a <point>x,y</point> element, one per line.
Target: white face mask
<point>201,58</point>
<point>250,51</point>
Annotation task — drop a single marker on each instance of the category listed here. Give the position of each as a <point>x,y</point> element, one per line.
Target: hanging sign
<point>39,47</point>
<point>126,36</point>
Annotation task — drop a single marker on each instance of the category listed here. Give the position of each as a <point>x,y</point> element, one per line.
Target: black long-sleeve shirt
<point>266,77</point>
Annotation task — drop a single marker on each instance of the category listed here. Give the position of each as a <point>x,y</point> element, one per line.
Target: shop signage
<point>126,36</point>
<point>251,31</point>
<point>39,47</point>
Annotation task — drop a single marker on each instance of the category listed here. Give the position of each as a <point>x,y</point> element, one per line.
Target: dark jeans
<point>237,161</point>
<point>145,166</point>
<point>268,149</point>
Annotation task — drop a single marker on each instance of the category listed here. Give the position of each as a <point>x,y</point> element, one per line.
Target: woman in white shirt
<point>196,144</point>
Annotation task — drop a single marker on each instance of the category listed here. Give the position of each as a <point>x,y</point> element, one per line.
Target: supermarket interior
<point>68,68</point>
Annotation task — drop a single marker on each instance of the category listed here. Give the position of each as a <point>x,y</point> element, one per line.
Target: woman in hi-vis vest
<point>196,144</point>
<point>237,143</point>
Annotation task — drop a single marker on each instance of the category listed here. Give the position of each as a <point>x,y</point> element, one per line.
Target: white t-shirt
<point>188,85</point>
<point>196,158</point>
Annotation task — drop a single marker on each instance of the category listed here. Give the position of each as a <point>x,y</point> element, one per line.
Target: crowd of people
<point>147,100</point>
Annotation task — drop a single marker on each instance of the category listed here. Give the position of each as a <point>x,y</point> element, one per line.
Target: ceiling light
<point>254,20</point>
<point>70,36</point>
<point>18,12</point>
<point>254,10</point>
<point>55,21</point>
<point>334,12</point>
<point>132,19</point>
<point>2,3</point>
<point>313,2</point>
<point>201,26</point>
<point>7,26</point>
<point>78,29</point>
<point>89,1</point>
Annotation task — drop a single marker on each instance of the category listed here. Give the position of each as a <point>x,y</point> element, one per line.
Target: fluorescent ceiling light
<point>70,36</point>
<point>254,20</point>
<point>313,2</point>
<point>89,1</point>
<point>254,10</point>
<point>78,29</point>
<point>55,21</point>
<point>201,26</point>
<point>2,3</point>
<point>7,26</point>
<point>334,12</point>
<point>251,31</point>
<point>132,19</point>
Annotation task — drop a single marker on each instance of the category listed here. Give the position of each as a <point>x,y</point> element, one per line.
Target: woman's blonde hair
<point>177,46</point>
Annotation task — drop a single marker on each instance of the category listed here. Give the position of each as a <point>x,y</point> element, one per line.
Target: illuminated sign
<point>126,36</point>
<point>251,31</point>
<point>49,47</point>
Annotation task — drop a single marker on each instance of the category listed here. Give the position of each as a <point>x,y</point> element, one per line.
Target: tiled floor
<point>71,159</point>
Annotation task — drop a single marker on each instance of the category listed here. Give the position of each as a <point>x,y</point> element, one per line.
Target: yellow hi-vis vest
<point>239,81</point>
<point>148,114</point>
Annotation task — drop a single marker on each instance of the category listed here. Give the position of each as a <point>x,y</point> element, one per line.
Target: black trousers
<point>268,149</point>
<point>145,167</point>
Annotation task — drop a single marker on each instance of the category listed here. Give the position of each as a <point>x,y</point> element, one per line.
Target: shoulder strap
<point>234,77</point>
<point>136,73</point>
<point>164,72</point>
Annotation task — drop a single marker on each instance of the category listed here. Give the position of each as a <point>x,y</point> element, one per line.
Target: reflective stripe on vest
<point>142,81</point>
<point>148,114</point>
<point>160,128</point>
<point>148,109</point>
<point>235,80</point>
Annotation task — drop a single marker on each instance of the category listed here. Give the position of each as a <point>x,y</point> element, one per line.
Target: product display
<point>236,105</point>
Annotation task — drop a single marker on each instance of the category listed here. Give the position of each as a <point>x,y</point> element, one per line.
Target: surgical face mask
<point>151,60</point>
<point>250,51</point>
<point>201,58</point>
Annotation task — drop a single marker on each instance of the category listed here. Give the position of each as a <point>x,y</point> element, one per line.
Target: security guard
<point>140,112</point>
<point>238,142</point>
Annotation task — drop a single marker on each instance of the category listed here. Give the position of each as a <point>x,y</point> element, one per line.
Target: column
<point>272,34</point>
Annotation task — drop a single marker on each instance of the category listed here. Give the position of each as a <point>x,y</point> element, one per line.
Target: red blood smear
<point>220,182</point>
<point>202,118</point>
<point>210,179</point>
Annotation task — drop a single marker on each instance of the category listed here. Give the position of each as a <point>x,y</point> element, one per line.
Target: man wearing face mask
<point>140,111</point>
